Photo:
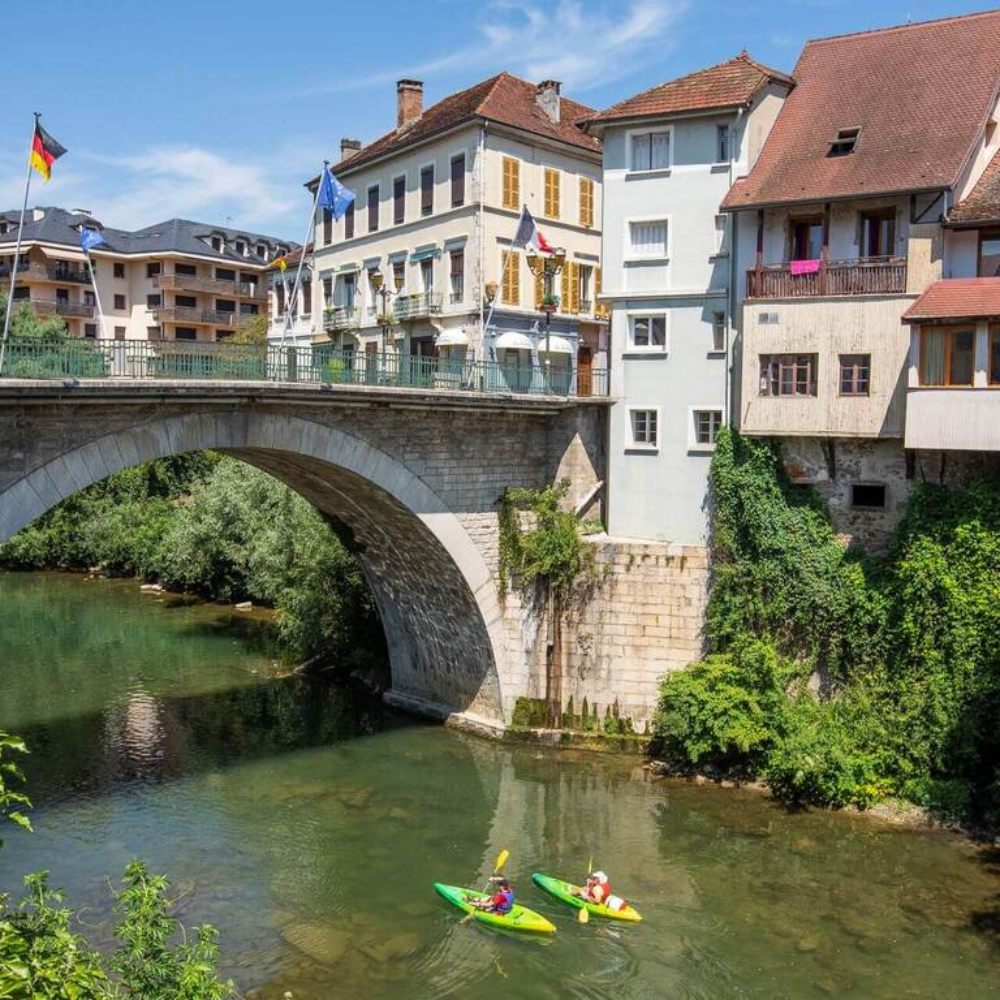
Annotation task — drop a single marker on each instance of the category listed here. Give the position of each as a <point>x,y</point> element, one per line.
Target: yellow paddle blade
<point>501,860</point>
<point>582,915</point>
<point>590,865</point>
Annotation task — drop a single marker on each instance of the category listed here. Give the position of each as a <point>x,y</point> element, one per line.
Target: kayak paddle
<point>500,862</point>
<point>583,914</point>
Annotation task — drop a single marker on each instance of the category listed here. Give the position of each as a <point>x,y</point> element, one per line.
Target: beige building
<point>177,280</point>
<point>426,249</point>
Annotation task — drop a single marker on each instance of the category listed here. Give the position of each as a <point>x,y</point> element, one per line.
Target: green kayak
<point>569,893</point>
<point>519,919</point>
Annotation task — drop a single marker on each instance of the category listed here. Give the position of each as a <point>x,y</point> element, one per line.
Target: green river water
<point>308,825</point>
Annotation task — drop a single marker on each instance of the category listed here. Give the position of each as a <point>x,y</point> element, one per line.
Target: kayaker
<point>502,901</point>
<point>598,890</point>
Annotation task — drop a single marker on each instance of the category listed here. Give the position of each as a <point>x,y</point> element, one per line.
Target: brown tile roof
<point>728,85</point>
<point>503,98</point>
<point>957,299</point>
<point>920,94</point>
<point>983,201</point>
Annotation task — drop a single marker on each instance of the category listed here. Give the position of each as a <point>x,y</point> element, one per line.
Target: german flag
<point>44,151</point>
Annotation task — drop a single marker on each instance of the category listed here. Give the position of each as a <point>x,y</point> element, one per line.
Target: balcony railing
<point>44,272</point>
<point>339,318</point>
<point>60,306</point>
<point>187,314</point>
<point>408,307</point>
<point>78,358</point>
<point>866,276</point>
<point>214,286</point>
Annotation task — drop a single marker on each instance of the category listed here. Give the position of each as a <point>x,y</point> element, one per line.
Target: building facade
<point>423,262</point>
<point>290,313</point>
<point>177,280</point>
<point>670,155</point>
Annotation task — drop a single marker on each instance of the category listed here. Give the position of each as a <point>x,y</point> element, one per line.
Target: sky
<point>219,111</point>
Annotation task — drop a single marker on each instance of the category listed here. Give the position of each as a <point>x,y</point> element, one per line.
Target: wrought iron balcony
<point>338,318</point>
<point>409,307</point>
<point>797,279</point>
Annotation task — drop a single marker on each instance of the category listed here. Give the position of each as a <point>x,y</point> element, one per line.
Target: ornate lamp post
<point>379,287</point>
<point>547,267</point>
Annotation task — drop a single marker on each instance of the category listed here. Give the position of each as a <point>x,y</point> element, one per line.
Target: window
<point>153,270</point>
<point>241,248</point>
<point>399,201</point>
<point>120,302</point>
<point>844,142</point>
<point>995,355</point>
<point>645,428</point>
<point>946,355</point>
<point>511,267</point>
<point>426,190</point>
<point>878,233</point>
<point>788,374</point>
<point>458,181</point>
<point>399,275</point>
<point>250,308</point>
<point>223,334</point>
<point>217,243</point>
<point>119,270</point>
<point>328,292</point>
<point>511,183</point>
<point>722,144</point>
<point>350,287</point>
<point>718,333</point>
<point>189,269</point>
<point>457,276</point>
<point>90,331</point>
<point>806,239</point>
<point>586,202</point>
<point>855,374</point>
<point>225,274</point>
<point>119,333</point>
<point>89,298</point>
<point>280,293</point>
<point>427,276</point>
<point>307,300</point>
<point>186,301</point>
<point>21,292</point>
<point>327,226</point>
<point>651,151</point>
<point>585,283</point>
<point>648,333</point>
<point>705,426</point>
<point>868,495</point>
<point>551,193</point>
<point>373,197</point>
<point>349,222</point>
<point>647,239</point>
<point>720,234</point>
<point>225,305</point>
<point>153,301</point>
<point>989,254</point>
<point>262,251</point>
<point>185,333</point>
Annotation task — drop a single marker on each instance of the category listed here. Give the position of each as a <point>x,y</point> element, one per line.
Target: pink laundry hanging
<point>805,266</point>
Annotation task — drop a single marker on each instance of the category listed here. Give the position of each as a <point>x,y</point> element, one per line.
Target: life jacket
<point>602,894</point>
<point>503,901</point>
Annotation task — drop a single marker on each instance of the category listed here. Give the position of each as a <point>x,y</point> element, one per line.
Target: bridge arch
<point>436,595</point>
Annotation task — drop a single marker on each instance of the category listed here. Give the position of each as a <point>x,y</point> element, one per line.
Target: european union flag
<point>90,238</point>
<point>333,195</point>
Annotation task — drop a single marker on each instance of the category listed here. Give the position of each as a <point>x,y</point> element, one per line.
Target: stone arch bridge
<point>416,476</point>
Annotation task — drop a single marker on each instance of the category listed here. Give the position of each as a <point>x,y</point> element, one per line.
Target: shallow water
<point>308,825</point>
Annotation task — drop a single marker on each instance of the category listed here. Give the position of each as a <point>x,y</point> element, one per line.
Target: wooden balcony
<point>213,286</point>
<point>866,276</point>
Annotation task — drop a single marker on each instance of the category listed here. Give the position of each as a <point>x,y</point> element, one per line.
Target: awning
<point>453,338</point>
<point>344,268</point>
<point>53,254</point>
<point>425,253</point>
<point>557,345</point>
<point>512,341</point>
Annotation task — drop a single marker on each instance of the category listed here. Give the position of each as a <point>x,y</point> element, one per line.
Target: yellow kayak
<point>569,893</point>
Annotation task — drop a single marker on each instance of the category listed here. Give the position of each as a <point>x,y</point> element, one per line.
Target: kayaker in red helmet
<point>598,890</point>
<point>502,901</point>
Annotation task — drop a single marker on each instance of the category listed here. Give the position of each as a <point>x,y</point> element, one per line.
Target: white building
<point>291,318</point>
<point>426,248</point>
<point>670,155</point>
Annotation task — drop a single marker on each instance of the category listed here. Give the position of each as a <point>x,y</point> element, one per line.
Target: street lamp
<point>547,266</point>
<point>379,288</point>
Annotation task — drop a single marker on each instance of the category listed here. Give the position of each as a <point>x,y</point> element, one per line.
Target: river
<point>308,824</point>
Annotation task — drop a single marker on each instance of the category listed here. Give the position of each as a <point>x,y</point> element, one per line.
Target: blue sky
<point>218,110</point>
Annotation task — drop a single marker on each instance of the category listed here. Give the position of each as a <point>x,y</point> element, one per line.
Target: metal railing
<point>341,318</point>
<point>407,307</point>
<point>76,358</point>
<point>864,276</point>
<point>215,286</point>
<point>60,306</point>
<point>45,272</point>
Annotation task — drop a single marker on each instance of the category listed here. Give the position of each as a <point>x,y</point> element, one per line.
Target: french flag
<point>529,235</point>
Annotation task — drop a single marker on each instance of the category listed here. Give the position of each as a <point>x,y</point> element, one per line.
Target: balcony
<point>867,276</point>
<point>419,306</point>
<point>213,286</point>
<point>200,317</point>
<point>60,307</point>
<point>341,318</point>
<point>45,272</point>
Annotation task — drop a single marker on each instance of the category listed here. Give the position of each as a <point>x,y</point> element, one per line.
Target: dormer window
<point>217,244</point>
<point>846,142</point>
<point>262,251</point>
<point>241,248</point>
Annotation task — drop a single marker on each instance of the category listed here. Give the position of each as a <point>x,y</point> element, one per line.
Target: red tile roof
<point>728,85</point>
<point>957,299</point>
<point>505,99</point>
<point>983,202</point>
<point>920,94</point>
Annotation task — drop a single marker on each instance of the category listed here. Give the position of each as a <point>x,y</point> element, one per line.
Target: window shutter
<point>539,289</point>
<point>552,193</point>
<point>600,308</point>
<point>564,294</point>
<point>511,182</point>
<point>512,278</point>
<point>586,202</point>
<point>574,287</point>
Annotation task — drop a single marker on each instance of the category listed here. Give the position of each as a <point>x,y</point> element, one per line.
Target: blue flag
<point>90,238</point>
<point>333,195</point>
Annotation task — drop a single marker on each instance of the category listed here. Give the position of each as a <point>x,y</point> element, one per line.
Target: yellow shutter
<point>574,287</point>
<point>586,202</point>
<point>539,288</point>
<point>511,182</point>
<point>552,193</point>
<point>600,308</point>
<point>512,278</point>
<point>565,294</point>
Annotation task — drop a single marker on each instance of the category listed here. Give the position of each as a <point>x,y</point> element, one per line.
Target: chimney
<point>547,98</point>
<point>348,147</point>
<point>409,101</point>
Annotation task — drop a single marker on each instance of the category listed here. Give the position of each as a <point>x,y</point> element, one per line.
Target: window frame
<point>119,269</point>
<point>949,332</point>
<point>457,183</point>
<point>648,314</point>
<point>120,297</point>
<point>849,135</point>
<point>865,220</point>
<point>455,254</point>
<point>398,200</point>
<point>426,211</point>
<point>373,208</point>
<point>812,221</point>
<point>630,138</point>
<point>349,222</point>
<point>632,444</point>
<point>555,173</point>
<point>984,235</point>
<point>643,220</point>
<point>720,324</point>
<point>865,484</point>
<point>515,200</point>
<point>723,140</point>
<point>993,353</point>
<point>586,184</point>
<point>693,412</point>
<point>855,380</point>
<point>765,382</point>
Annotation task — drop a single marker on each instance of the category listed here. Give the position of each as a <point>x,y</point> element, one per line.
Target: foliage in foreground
<point>908,647</point>
<point>219,528</point>
<point>43,958</point>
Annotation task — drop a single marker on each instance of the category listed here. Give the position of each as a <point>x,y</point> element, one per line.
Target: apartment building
<point>866,241</point>
<point>177,280</point>
<point>670,155</point>
<point>423,261</point>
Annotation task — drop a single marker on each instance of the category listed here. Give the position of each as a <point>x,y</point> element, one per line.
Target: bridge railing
<point>76,358</point>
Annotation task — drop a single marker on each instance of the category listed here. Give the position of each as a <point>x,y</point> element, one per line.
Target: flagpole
<point>302,259</point>
<point>503,273</point>
<point>97,294</point>
<point>17,250</point>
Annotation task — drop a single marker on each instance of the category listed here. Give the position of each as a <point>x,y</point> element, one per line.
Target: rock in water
<point>322,943</point>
